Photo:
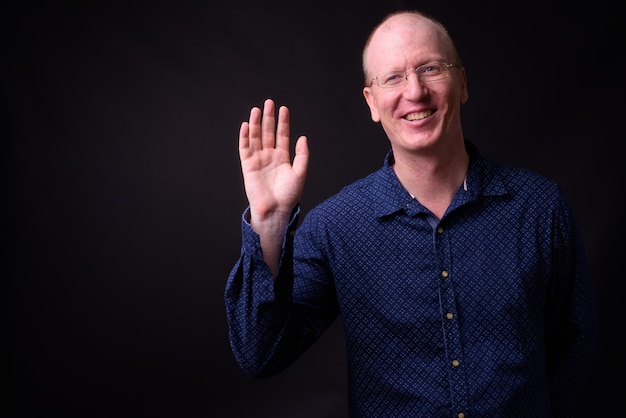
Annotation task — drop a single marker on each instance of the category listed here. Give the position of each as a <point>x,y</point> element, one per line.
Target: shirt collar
<point>484,179</point>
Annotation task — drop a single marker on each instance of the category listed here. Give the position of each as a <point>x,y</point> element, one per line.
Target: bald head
<point>406,24</point>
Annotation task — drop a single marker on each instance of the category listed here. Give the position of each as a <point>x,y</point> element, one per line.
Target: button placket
<point>451,326</point>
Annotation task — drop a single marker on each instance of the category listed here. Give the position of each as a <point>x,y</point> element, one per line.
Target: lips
<point>418,115</point>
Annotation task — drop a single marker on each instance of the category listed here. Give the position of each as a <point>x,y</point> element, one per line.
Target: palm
<point>272,182</point>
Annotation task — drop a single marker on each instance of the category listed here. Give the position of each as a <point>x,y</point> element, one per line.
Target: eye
<point>431,68</point>
<point>393,77</point>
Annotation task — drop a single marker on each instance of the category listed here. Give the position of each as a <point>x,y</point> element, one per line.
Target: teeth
<point>418,115</point>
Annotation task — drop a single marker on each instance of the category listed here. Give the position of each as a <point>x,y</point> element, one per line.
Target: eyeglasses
<point>432,71</point>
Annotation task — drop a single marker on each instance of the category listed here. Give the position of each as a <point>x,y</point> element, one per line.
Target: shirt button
<point>449,315</point>
<point>461,415</point>
<point>440,230</point>
<point>444,274</point>
<point>455,363</point>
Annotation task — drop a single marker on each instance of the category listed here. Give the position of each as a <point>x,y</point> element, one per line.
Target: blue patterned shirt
<point>486,312</point>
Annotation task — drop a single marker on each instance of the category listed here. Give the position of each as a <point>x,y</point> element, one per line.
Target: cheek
<point>385,104</point>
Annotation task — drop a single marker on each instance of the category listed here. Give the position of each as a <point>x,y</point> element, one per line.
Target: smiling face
<point>418,115</point>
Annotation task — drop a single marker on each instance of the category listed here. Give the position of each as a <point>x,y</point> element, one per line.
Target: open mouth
<point>418,115</point>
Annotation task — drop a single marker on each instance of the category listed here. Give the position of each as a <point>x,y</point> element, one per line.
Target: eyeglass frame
<point>446,70</point>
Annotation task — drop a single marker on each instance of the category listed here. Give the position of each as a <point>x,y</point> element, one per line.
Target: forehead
<point>405,40</point>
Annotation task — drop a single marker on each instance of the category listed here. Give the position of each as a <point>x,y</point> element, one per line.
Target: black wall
<point>123,191</point>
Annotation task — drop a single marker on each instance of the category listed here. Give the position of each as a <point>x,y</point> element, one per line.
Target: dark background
<point>123,191</point>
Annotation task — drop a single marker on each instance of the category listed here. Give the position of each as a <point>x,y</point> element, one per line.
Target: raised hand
<point>273,184</point>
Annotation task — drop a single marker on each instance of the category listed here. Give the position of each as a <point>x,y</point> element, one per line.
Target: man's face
<point>418,114</point>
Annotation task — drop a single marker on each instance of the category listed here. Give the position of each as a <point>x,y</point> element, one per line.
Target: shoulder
<point>522,191</point>
<point>516,181</point>
<point>529,182</point>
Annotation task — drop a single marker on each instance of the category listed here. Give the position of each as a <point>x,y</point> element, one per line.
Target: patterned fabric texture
<point>486,312</point>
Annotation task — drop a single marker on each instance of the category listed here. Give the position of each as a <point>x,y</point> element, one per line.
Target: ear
<point>371,102</point>
<point>464,92</point>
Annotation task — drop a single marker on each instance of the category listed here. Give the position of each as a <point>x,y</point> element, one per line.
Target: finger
<point>282,130</point>
<point>244,138</point>
<point>254,130</point>
<point>301,158</point>
<point>268,125</point>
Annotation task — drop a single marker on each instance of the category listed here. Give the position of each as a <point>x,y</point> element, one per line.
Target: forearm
<point>254,319</point>
<point>271,229</point>
<point>262,334</point>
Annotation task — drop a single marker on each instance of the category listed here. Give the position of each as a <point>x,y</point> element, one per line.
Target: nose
<point>414,88</point>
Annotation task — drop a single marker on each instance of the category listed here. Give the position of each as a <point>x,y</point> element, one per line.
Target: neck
<point>433,177</point>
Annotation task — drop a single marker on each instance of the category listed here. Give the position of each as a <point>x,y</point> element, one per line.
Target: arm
<point>266,333</point>
<point>571,320</point>
<point>273,185</point>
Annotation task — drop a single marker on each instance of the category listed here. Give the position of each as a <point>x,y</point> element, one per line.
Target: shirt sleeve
<point>266,330</point>
<point>571,317</point>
